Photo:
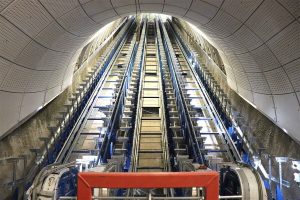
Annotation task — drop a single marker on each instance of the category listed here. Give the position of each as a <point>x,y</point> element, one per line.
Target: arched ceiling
<point>258,40</point>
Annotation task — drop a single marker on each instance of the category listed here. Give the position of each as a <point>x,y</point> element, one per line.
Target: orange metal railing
<point>208,180</point>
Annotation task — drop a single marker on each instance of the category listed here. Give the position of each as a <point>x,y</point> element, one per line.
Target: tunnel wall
<point>267,139</point>
<point>27,136</point>
<point>258,41</point>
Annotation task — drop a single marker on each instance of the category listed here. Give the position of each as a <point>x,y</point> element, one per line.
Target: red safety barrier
<point>88,180</point>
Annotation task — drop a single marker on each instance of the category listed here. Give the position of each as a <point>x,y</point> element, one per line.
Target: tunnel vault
<point>258,41</point>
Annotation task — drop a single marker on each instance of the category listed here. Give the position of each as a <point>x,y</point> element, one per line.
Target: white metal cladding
<point>258,40</point>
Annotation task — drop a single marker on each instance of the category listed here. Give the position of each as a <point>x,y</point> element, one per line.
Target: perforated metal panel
<point>29,16</point>
<point>38,81</point>
<point>292,6</point>
<point>242,9</point>
<point>278,81</point>
<point>258,83</point>
<point>265,104</point>
<point>77,22</point>
<point>121,3</point>
<point>195,17</point>
<point>249,63</point>
<point>4,69</point>
<point>245,94</point>
<point>59,8</point>
<point>150,7</point>
<point>16,79</point>
<point>30,101</point>
<point>293,72</point>
<point>12,40</point>
<point>105,16</point>
<point>205,9</point>
<point>52,93</point>
<point>285,44</point>
<point>4,4</point>
<point>56,78</point>
<point>288,113</point>
<point>178,3</point>
<point>264,58</point>
<point>262,21</point>
<point>31,55</point>
<point>248,38</point>
<point>9,109</point>
<point>124,9</point>
<point>224,24</point>
<point>96,7</point>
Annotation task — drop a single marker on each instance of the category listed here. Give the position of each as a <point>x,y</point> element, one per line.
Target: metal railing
<point>182,107</point>
<point>141,62</point>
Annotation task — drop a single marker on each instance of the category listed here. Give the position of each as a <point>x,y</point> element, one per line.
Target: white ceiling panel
<point>4,68</point>
<point>59,8</point>
<point>121,3</point>
<point>285,45</point>
<point>259,83</point>
<point>56,78</point>
<point>12,40</point>
<point>4,4</point>
<point>265,58</point>
<point>241,9</point>
<point>246,94</point>
<point>31,55</point>
<point>263,20</point>
<point>38,81</point>
<point>288,113</point>
<point>217,3</point>
<point>31,102</point>
<point>151,7</point>
<point>198,19</point>
<point>52,60</point>
<point>249,63</point>
<point>125,9</point>
<point>77,22</point>
<point>293,72</point>
<point>233,45</point>
<point>178,11</point>
<point>248,38</point>
<point>68,42</point>
<point>234,62</point>
<point>205,9</point>
<point>9,110</point>
<point>52,93</point>
<point>29,16</point>
<point>16,79</point>
<point>231,79</point>
<point>178,3</point>
<point>105,16</point>
<point>151,1</point>
<point>242,80</point>
<point>278,81</point>
<point>50,34</point>
<point>292,5</point>
<point>224,24</point>
<point>96,6</point>
<point>265,104</point>
<point>103,21</point>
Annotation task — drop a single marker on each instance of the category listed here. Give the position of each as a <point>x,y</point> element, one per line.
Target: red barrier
<point>88,180</point>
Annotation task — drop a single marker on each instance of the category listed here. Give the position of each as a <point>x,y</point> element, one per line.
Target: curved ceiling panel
<point>258,40</point>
